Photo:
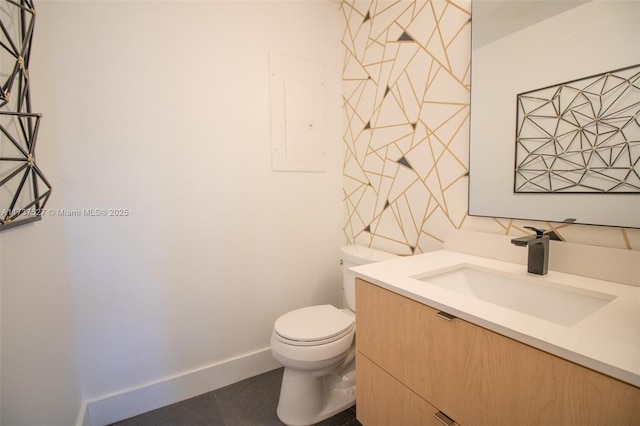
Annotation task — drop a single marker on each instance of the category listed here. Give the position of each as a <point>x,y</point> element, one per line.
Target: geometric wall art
<point>24,190</point>
<point>581,136</point>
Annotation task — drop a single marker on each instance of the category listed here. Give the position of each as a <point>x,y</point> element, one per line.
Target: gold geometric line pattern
<point>406,105</point>
<point>625,238</point>
<point>406,90</point>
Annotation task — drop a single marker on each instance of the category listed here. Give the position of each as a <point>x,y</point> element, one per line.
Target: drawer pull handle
<point>443,418</point>
<point>445,316</point>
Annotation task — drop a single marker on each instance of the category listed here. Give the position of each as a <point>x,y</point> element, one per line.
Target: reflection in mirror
<point>522,46</point>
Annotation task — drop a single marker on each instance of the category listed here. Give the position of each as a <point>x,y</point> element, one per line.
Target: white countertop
<point>607,341</point>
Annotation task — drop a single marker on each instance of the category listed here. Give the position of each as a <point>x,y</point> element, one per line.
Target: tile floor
<point>251,402</point>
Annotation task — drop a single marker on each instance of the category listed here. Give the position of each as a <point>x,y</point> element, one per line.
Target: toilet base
<point>307,398</point>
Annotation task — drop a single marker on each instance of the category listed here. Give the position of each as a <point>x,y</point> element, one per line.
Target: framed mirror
<point>523,46</point>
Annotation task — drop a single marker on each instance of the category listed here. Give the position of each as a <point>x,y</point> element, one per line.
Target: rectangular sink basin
<point>555,302</point>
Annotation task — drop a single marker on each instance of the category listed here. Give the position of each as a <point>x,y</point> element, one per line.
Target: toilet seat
<point>313,325</point>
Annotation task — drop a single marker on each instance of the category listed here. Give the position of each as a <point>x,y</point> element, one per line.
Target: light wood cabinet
<point>385,401</point>
<point>475,376</point>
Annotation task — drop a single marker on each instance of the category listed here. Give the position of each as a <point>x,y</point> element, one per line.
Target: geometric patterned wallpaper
<point>406,103</point>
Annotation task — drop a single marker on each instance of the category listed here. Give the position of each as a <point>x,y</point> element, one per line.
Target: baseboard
<point>132,402</point>
<point>83,416</point>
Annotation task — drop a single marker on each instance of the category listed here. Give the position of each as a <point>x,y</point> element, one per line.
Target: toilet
<point>316,346</point>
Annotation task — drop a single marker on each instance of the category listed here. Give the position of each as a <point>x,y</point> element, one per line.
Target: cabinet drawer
<point>410,342</point>
<point>381,400</point>
<point>479,377</point>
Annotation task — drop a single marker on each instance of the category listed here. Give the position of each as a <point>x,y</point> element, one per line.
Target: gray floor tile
<point>251,402</point>
<point>347,417</point>
<point>198,411</point>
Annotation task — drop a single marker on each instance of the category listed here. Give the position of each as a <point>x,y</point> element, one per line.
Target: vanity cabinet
<point>412,363</point>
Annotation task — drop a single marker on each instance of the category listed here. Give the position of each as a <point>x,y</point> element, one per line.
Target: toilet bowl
<point>316,346</point>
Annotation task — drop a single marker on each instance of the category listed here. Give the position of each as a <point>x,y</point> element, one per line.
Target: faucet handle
<point>539,232</point>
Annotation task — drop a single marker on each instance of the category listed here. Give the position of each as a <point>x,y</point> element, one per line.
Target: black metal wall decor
<point>24,190</point>
<point>582,136</point>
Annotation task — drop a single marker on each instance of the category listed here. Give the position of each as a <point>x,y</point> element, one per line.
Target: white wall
<point>39,383</point>
<point>162,108</point>
<point>39,378</point>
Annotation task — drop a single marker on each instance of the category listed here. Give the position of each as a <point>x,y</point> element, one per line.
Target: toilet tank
<point>355,255</point>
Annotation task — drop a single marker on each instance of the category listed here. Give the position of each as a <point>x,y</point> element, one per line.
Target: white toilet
<point>316,346</point>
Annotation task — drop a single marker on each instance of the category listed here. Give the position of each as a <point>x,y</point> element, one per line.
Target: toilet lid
<point>314,324</point>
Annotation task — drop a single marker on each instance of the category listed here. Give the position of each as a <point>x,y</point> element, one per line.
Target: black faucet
<point>538,245</point>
